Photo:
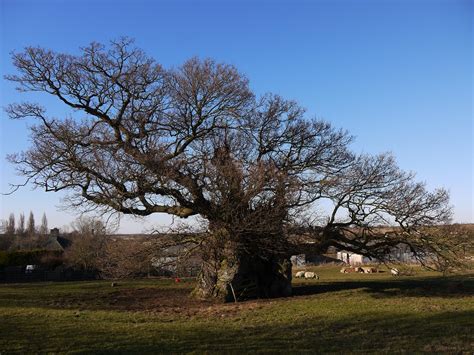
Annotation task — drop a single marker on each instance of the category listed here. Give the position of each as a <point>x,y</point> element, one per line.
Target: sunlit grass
<point>338,313</point>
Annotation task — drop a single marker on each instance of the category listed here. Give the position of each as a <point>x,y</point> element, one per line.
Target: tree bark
<point>233,273</point>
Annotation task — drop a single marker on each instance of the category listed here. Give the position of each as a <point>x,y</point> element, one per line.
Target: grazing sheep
<point>311,275</point>
<point>300,274</point>
<point>394,272</point>
<point>347,270</point>
<point>368,270</point>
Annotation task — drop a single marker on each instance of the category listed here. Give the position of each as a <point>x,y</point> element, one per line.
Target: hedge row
<point>27,257</point>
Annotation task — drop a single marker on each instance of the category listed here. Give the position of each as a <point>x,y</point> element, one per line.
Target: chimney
<point>54,232</point>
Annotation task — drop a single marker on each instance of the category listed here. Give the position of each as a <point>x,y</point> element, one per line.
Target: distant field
<point>338,313</point>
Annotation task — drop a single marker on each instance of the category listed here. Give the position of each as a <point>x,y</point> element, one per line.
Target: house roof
<point>57,243</point>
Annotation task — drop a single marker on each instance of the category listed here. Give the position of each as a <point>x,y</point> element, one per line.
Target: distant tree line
<point>90,248</point>
<point>22,233</point>
<point>10,227</point>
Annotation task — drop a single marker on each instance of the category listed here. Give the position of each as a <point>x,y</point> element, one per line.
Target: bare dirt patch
<point>176,301</point>
<point>166,302</point>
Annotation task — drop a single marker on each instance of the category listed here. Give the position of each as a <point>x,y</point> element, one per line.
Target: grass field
<point>339,313</point>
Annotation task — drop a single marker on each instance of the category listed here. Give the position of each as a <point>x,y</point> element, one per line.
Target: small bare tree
<point>125,258</point>
<point>10,225</point>
<point>89,238</point>
<point>20,230</point>
<point>31,229</point>
<point>43,230</point>
<point>6,240</point>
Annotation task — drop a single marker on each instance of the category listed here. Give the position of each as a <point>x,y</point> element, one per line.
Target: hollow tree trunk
<point>229,274</point>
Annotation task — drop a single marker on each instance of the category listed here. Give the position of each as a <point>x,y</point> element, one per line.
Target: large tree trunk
<point>231,274</point>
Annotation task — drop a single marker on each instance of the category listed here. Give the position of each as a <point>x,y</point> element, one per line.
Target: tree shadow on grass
<point>376,332</point>
<point>446,287</point>
<point>373,332</point>
<point>176,300</point>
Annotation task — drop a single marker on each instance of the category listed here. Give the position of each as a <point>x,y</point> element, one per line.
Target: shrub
<point>27,257</point>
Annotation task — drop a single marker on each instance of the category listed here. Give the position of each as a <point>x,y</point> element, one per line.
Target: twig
<point>233,293</point>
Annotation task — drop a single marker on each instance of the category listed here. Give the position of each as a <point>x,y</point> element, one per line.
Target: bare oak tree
<point>195,140</point>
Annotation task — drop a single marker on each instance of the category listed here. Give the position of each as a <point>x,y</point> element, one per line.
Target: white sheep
<point>368,270</point>
<point>310,275</point>
<point>395,272</point>
<point>300,274</point>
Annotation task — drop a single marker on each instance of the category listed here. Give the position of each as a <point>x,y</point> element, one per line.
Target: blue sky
<point>397,74</point>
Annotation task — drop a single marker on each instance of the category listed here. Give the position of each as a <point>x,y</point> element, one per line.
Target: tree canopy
<point>195,140</point>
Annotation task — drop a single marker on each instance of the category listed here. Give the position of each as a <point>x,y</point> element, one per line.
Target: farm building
<point>401,254</point>
<point>170,263</point>
<point>352,258</point>
<point>312,259</point>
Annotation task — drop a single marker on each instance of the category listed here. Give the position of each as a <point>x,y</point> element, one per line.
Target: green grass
<point>338,313</point>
